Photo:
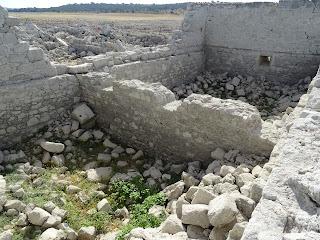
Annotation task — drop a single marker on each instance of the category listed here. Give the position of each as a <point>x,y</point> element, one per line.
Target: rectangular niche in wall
<point>265,60</point>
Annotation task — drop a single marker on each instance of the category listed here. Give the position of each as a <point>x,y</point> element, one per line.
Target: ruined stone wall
<point>30,95</point>
<point>19,61</point>
<point>170,71</point>
<point>27,107</point>
<point>239,38</point>
<point>146,115</point>
<point>166,64</point>
<point>290,199</point>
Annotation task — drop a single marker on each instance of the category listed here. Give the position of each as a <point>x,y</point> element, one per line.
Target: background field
<point>100,17</point>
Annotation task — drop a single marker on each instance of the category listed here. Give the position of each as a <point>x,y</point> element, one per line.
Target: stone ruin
<point>156,99</point>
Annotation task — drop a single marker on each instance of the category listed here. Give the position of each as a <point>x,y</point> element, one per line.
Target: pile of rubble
<point>211,201</point>
<point>70,42</point>
<point>271,99</point>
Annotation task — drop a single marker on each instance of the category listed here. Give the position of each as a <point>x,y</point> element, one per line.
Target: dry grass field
<point>99,17</point>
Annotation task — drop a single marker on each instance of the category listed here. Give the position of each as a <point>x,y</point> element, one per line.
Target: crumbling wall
<point>30,97</point>
<point>27,107</point>
<point>19,61</point>
<point>170,71</point>
<point>279,42</point>
<point>146,115</point>
<point>290,201</point>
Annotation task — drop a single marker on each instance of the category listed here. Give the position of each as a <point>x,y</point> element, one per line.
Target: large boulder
<point>195,214</point>
<point>222,210</point>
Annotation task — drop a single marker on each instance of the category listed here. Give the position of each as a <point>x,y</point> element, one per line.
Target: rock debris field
<point>125,131</point>
<point>272,100</point>
<point>72,181</point>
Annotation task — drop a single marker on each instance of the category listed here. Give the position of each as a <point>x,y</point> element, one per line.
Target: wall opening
<point>265,60</point>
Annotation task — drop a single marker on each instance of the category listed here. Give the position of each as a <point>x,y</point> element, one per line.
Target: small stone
<point>15,204</point>
<point>73,189</point>
<point>222,210</point>
<point>224,170</point>
<point>104,206</point>
<point>52,234</point>
<point>237,231</point>
<point>52,147</point>
<point>6,235</point>
<point>122,212</point>
<point>22,220</point>
<point>195,232</point>
<point>130,151</point>
<point>58,160</point>
<point>98,134</point>
<point>210,179</point>
<point>49,206</point>
<point>195,214</point>
<point>218,154</point>
<point>235,81</point>
<point>172,225</point>
<point>203,196</point>
<point>229,87</point>
<point>59,212</point>
<point>137,155</point>
<point>99,174</point>
<point>38,216</point>
<point>189,180</point>
<point>46,157</point>
<point>82,114</point>
<point>244,178</point>
<point>85,136</point>
<point>109,144</point>
<point>52,221</point>
<point>104,157</point>
<point>87,233</point>
<point>174,191</point>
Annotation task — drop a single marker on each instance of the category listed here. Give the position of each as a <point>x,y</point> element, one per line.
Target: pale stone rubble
<point>271,99</point>
<point>228,188</point>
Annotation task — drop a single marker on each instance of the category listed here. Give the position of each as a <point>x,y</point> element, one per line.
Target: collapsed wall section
<point>19,61</point>
<point>278,42</point>
<point>147,116</point>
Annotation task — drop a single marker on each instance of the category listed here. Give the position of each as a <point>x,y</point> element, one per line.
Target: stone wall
<point>19,61</point>
<point>290,199</point>
<point>27,107</point>
<point>239,38</point>
<point>30,95</point>
<point>170,71</point>
<point>146,115</point>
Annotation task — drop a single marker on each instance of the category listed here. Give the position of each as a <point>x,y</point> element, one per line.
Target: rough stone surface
<point>195,214</point>
<point>222,210</point>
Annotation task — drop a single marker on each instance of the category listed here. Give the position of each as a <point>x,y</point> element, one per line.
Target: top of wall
<point>19,61</point>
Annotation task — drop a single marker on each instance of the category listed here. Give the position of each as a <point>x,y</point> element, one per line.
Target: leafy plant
<point>127,193</point>
<point>140,216</point>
